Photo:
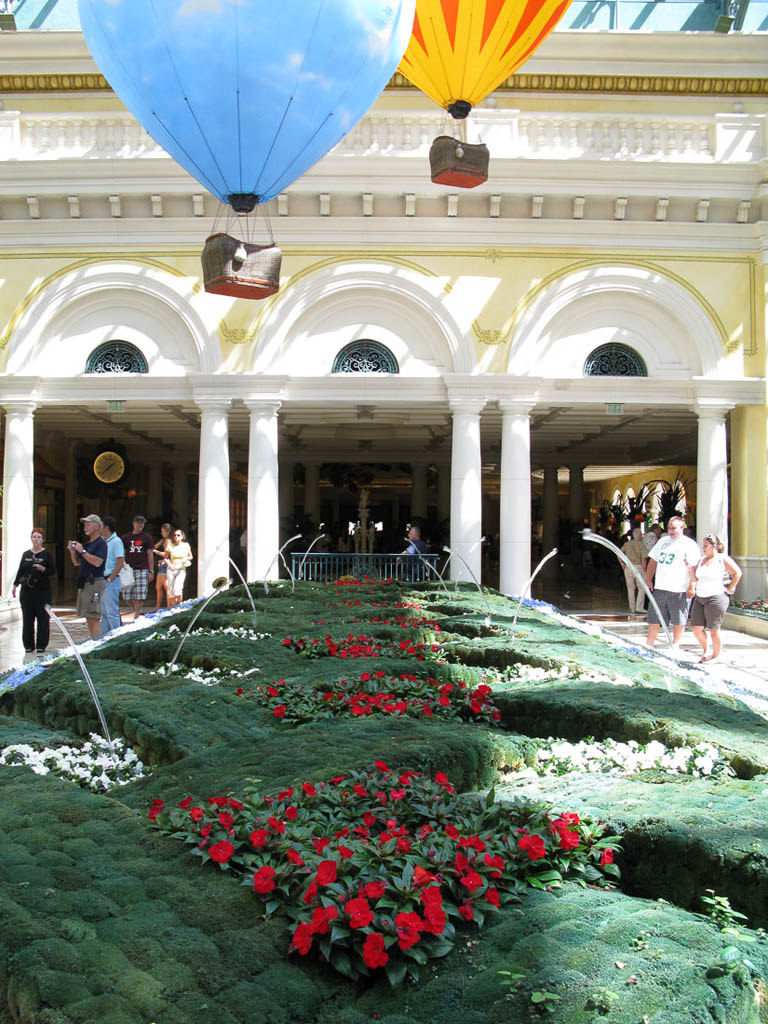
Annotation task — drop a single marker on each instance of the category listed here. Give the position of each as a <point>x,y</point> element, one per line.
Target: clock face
<point>109,467</point>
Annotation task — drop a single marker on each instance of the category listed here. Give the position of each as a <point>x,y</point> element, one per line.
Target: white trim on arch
<point>629,305</point>
<point>311,320</point>
<point>99,301</point>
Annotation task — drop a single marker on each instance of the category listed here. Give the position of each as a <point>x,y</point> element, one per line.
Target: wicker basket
<point>459,164</point>
<point>240,269</point>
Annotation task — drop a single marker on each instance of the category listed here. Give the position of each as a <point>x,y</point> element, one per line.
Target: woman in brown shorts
<point>712,594</point>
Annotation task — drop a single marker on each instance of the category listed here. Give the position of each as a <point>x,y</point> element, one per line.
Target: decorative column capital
<point>467,405</point>
<point>712,410</point>
<point>262,406</point>
<point>213,403</point>
<point>19,406</point>
<point>515,406</point>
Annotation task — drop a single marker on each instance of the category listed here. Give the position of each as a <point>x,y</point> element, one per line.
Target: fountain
<point>54,617</point>
<point>597,539</point>
<point>474,579</point>
<point>529,584</point>
<point>218,586</point>
<point>301,565</point>
<point>279,554</point>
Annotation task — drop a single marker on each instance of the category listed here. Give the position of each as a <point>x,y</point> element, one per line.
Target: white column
<point>515,498</point>
<point>263,516</point>
<point>18,486</point>
<point>213,495</point>
<point>576,495</point>
<point>154,487</point>
<point>312,492</point>
<point>466,488</point>
<point>418,490</point>
<point>712,474</point>
<point>549,533</point>
<point>180,499</point>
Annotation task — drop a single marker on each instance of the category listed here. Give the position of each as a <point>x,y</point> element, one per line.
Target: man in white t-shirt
<point>670,576</point>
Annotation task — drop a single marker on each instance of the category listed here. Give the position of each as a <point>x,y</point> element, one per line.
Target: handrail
<point>324,566</point>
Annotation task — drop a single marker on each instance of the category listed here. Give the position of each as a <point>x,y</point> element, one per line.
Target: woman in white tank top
<point>716,577</point>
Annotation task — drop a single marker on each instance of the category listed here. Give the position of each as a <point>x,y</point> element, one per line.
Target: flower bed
<point>95,765</point>
<point>376,868</point>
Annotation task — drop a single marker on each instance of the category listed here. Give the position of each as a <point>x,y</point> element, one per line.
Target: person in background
<point>635,551</point>
<point>670,572</point>
<point>160,552</point>
<point>416,546</point>
<point>90,558</point>
<point>179,557</point>
<point>139,555</point>
<point>110,601</point>
<point>34,576</point>
<point>652,537</point>
<point>712,594</point>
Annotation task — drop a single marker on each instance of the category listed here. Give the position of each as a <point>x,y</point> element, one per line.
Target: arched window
<point>614,360</point>
<point>365,357</point>
<point>116,357</point>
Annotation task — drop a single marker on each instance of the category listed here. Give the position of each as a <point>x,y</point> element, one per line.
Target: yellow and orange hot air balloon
<point>461,50</point>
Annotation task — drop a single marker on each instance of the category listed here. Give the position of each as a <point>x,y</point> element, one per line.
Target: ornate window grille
<point>116,357</point>
<point>614,360</point>
<point>365,357</point>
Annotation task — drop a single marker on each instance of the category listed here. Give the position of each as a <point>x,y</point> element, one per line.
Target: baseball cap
<point>139,519</point>
<point>92,519</point>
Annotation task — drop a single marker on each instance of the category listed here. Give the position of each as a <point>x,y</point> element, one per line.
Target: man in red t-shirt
<point>138,554</point>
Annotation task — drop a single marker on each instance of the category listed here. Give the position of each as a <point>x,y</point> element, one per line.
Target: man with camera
<point>90,558</point>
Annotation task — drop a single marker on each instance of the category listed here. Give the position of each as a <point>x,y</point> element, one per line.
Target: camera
<point>72,543</point>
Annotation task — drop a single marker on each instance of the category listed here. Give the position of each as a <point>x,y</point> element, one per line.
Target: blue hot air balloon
<point>247,94</point>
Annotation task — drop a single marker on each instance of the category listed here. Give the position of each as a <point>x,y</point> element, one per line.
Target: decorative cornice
<point>637,85</point>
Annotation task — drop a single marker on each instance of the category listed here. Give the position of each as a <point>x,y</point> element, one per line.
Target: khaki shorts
<point>87,606</point>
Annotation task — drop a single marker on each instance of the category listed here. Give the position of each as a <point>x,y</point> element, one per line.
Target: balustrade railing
<point>325,566</point>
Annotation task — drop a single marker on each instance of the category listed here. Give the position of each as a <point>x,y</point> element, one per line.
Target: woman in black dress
<point>35,570</point>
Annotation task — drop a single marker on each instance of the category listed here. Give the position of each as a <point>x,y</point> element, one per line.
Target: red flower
<point>320,843</point>
<point>360,913</point>
<point>472,881</point>
<point>396,794</point>
<point>264,880</point>
<point>466,911</point>
<point>452,831</point>
<point>421,876</point>
<point>291,813</point>
<point>205,831</point>
<point>259,837</point>
<point>534,845</point>
<point>309,789</point>
<point>154,810</point>
<point>278,826</point>
<point>225,819</point>
<point>360,790</point>
<point>492,896</point>
<point>279,712</point>
<point>409,929</point>
<point>495,862</point>
<point>373,951</point>
<point>322,917</point>
<point>345,852</point>
<point>185,803</point>
<point>302,937</point>
<point>326,872</point>
<point>606,857</point>
<point>403,845</point>
<point>434,918</point>
<point>432,895</point>
<point>568,840</point>
<point>294,857</point>
<point>311,894</point>
<point>197,814</point>
<point>381,766</point>
<point>285,794</point>
<point>221,852</point>
<point>373,890</point>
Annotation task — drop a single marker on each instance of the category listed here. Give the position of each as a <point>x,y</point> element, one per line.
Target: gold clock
<point>108,467</point>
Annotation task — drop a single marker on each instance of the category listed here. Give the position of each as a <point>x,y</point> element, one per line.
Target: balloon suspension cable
<point>266,213</point>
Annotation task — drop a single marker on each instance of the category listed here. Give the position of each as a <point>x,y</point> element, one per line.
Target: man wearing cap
<point>138,554</point>
<point>89,558</point>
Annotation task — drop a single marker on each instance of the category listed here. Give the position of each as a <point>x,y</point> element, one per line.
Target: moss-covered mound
<point>103,919</point>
